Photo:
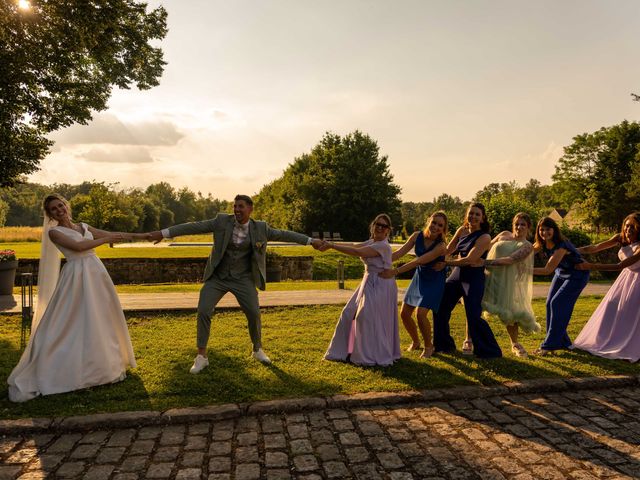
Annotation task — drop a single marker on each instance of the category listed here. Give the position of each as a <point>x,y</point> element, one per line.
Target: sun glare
<point>24,4</point>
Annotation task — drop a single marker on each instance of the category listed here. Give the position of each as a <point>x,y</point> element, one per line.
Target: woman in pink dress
<point>613,331</point>
<point>367,331</point>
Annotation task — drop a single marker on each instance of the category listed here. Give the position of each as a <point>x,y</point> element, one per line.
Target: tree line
<point>105,206</point>
<point>344,181</point>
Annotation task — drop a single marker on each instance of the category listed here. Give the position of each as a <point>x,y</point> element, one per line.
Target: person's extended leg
<point>561,308</point>
<point>247,296</point>
<point>516,347</point>
<point>484,342</point>
<point>406,313</point>
<point>442,340</point>
<point>425,330</point>
<point>211,292</point>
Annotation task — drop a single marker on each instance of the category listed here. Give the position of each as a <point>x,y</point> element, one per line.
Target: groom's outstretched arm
<point>294,237</point>
<point>191,228</point>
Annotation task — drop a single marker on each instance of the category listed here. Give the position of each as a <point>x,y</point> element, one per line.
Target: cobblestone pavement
<point>577,435</point>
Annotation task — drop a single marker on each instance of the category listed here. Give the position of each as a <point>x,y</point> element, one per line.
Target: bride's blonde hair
<point>50,198</point>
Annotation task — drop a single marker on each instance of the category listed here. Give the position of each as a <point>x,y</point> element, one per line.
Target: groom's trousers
<point>245,292</point>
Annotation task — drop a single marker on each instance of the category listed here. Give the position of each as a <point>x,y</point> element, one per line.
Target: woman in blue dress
<point>471,242</point>
<point>566,286</point>
<point>426,288</point>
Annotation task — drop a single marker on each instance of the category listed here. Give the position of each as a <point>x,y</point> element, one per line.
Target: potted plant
<point>8,267</point>
<point>274,266</point>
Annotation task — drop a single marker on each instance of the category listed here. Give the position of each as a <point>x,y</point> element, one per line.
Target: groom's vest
<point>236,261</point>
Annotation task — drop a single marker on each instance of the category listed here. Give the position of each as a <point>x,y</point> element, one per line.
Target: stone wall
<point>172,270</point>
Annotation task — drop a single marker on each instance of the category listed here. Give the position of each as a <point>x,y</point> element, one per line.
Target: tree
<point>59,62</point>
<point>502,208</point>
<point>493,189</point>
<point>340,186</point>
<point>599,172</point>
<point>97,208</point>
<point>4,208</point>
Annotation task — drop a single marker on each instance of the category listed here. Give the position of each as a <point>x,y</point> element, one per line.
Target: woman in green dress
<point>509,281</point>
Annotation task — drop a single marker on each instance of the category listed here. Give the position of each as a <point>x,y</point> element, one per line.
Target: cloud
<point>118,155</point>
<point>108,129</point>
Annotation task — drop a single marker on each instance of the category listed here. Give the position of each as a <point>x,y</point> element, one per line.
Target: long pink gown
<point>613,331</point>
<point>368,326</point>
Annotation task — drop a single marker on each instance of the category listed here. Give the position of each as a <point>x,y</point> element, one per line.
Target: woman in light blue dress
<point>427,285</point>
<point>367,331</point>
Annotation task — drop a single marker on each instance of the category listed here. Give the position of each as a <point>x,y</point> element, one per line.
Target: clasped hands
<point>321,245</point>
<point>121,237</point>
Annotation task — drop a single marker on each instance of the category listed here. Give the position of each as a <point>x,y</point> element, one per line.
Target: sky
<point>457,94</point>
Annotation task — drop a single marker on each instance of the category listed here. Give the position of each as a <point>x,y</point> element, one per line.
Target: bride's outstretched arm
<point>97,233</point>
<point>81,245</point>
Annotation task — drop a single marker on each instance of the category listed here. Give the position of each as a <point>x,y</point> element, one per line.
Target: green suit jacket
<point>222,228</point>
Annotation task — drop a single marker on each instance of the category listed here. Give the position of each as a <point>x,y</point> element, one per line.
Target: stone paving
<point>570,434</point>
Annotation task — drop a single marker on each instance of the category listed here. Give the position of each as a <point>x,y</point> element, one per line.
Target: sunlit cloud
<point>117,155</point>
<point>107,128</point>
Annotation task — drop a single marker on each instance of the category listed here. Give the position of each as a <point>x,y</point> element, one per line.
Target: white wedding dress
<point>82,338</point>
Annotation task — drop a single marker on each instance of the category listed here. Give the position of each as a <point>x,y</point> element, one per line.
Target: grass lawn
<point>295,339</point>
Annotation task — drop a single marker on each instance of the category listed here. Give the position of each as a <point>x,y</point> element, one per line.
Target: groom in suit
<point>237,264</point>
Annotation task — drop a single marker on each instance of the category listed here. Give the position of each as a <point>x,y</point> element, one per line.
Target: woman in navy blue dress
<point>566,286</point>
<point>427,286</point>
<point>471,242</point>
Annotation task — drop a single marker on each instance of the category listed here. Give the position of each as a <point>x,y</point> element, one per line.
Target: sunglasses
<point>382,225</point>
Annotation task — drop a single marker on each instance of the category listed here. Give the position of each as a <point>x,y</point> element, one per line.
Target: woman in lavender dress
<point>613,331</point>
<point>367,331</point>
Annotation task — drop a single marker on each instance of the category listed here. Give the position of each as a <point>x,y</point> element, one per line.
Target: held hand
<point>117,238</point>
<point>325,246</point>
<point>388,273</point>
<point>154,237</point>
<point>317,244</point>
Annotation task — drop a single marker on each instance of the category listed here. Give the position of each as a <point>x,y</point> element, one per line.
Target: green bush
<point>576,236</point>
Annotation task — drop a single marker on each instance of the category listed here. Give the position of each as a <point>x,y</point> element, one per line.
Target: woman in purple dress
<point>367,331</point>
<point>613,331</point>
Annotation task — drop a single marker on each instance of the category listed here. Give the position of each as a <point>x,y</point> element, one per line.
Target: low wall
<point>172,270</point>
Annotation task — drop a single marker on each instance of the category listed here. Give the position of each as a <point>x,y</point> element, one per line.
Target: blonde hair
<point>50,198</point>
<point>372,225</point>
<point>445,230</point>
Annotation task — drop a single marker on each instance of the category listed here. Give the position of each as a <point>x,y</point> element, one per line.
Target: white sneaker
<point>261,357</point>
<point>198,364</point>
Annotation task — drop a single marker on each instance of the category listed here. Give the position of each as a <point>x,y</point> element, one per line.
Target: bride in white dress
<point>79,335</point>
